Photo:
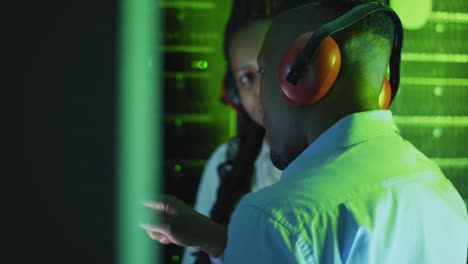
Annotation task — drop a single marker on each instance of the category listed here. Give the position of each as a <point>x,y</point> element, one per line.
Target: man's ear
<point>385,94</point>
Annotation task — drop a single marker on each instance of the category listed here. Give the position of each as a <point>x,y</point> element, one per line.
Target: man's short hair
<point>377,28</point>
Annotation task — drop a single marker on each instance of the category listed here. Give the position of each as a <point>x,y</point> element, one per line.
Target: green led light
<point>437,132</point>
<point>200,64</point>
<point>203,64</point>
<point>178,123</point>
<point>439,28</point>
<point>177,168</point>
<point>438,91</point>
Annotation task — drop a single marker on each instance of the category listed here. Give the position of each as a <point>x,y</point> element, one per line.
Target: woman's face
<point>244,49</point>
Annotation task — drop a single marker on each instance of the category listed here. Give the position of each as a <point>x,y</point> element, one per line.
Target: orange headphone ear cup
<point>320,78</point>
<point>385,94</point>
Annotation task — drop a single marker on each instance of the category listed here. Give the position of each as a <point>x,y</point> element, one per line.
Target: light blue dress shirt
<point>264,174</point>
<point>357,194</point>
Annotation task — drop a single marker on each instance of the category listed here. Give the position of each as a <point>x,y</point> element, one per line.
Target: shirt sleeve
<point>254,236</point>
<point>218,260</point>
<point>207,192</point>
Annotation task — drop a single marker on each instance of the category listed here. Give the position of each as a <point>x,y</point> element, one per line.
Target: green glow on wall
<point>414,14</point>
<point>188,49</point>
<point>435,57</point>
<point>431,110</point>
<point>185,75</point>
<point>449,17</point>
<point>434,81</point>
<point>439,121</point>
<point>189,4</point>
<point>139,117</point>
<point>179,119</point>
<point>232,123</point>
<point>195,40</point>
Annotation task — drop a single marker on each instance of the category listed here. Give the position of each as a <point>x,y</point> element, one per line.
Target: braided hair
<point>237,170</point>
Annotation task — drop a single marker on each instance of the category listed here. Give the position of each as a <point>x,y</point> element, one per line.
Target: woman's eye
<point>247,79</point>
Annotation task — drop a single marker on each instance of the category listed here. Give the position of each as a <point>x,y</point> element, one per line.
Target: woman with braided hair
<point>243,164</point>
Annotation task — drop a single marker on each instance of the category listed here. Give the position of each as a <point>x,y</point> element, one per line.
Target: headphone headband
<point>302,62</point>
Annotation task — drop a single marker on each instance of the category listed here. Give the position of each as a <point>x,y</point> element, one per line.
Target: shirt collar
<point>350,130</point>
<point>263,154</point>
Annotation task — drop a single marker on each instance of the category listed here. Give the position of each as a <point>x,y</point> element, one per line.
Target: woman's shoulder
<point>224,151</point>
<point>210,179</point>
<point>219,154</point>
<point>217,157</point>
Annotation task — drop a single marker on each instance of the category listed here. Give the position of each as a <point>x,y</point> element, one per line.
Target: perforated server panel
<point>431,108</point>
<point>196,121</point>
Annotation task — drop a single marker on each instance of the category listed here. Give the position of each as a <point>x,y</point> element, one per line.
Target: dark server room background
<point>62,63</point>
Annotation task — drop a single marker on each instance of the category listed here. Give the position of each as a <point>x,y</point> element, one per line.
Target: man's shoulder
<point>282,202</point>
<point>274,195</point>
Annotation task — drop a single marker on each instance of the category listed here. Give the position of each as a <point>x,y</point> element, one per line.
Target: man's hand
<point>181,225</point>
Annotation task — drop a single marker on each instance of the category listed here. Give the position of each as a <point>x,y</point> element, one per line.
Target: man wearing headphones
<point>352,190</point>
